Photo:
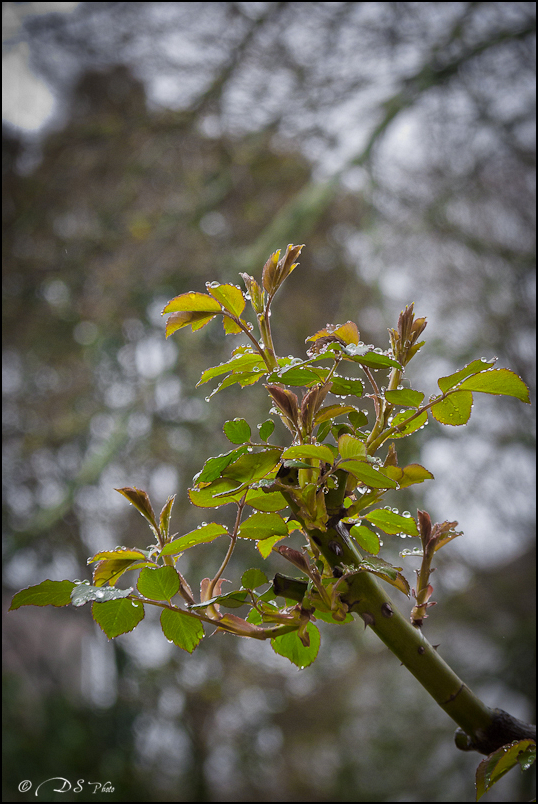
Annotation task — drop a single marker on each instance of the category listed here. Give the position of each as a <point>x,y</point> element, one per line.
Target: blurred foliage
<point>129,207</point>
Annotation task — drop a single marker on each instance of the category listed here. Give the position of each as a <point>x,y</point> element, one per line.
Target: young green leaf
<point>192,303</point>
<point>241,378</point>
<point>445,383</point>
<point>196,309</point>
<point>141,502</point>
<point>317,451</point>
<point>370,359</point>
<point>455,409</point>
<point>253,578</point>
<point>252,466</point>
<point>346,333</point>
<point>323,430</point>
<point>231,327</point>
<point>179,320</point>
<point>237,431</point>
<point>265,500</point>
<point>164,517</point>
<point>385,571</point>
<point>413,473</point>
<point>230,296</point>
<point>110,571</point>
<point>46,593</point>
<point>358,418</point>
<point>374,478</point>
<point>213,467</point>
<point>221,491</point>
<point>366,538</point>
<point>257,295</point>
<point>413,425</point>
<point>330,412</point>
<point>265,546</point>
<point>498,381</point>
<point>405,397</point>
<point>123,553</point>
<point>238,364</point>
<point>117,617</point>
<point>409,475</point>
<point>301,376</point>
<point>263,526</point>
<point>85,593</point>
<point>184,631</point>
<point>266,429</point>
<point>290,646</point>
<point>113,563</point>
<point>351,447</point>
<point>158,583</point>
<point>344,386</point>
<point>392,523</point>
<point>202,535</point>
<point>500,762</point>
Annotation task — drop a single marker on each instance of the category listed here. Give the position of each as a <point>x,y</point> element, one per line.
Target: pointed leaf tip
<point>141,502</point>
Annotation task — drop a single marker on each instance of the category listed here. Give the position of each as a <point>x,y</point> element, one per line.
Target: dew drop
<point>406,514</point>
<point>395,511</point>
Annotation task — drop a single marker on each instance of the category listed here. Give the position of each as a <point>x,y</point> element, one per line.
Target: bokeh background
<point>149,147</point>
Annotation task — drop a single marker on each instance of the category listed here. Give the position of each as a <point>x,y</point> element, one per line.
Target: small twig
<point>233,539</point>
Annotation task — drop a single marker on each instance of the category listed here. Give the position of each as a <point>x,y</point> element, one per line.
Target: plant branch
<point>233,539</point>
<point>375,444</point>
<point>363,596</point>
<point>265,633</point>
<point>251,337</point>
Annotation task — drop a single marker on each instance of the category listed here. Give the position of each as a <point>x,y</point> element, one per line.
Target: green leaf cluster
<point>326,482</point>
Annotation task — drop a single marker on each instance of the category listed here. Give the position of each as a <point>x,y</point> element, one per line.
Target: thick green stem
<point>267,338</point>
<point>481,728</point>
<point>410,646</point>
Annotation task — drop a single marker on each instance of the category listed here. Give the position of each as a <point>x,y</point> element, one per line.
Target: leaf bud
<point>297,558</point>
<point>269,273</point>
<point>288,403</point>
<point>276,270</point>
<point>311,403</point>
<point>425,526</point>
<point>257,295</point>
